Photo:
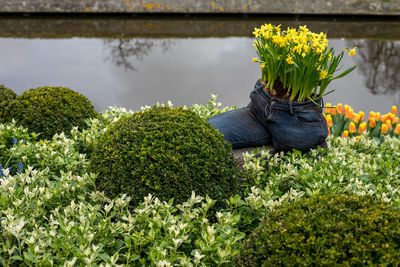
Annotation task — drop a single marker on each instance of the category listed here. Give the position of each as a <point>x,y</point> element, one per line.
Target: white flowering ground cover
<point>51,213</point>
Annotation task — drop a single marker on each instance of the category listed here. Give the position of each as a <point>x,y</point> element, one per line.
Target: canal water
<point>183,65</point>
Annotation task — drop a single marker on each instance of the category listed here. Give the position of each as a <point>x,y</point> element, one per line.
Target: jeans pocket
<point>308,117</point>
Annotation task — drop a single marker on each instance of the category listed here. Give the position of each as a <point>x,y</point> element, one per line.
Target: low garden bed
<point>51,212</point>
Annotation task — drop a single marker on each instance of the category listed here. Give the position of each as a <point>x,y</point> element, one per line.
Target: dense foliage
<point>6,97</point>
<point>167,152</point>
<point>51,110</point>
<point>326,230</point>
<point>52,214</point>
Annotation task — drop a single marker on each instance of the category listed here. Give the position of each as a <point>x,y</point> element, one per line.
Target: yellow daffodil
<point>352,52</point>
<point>289,60</point>
<point>254,59</point>
<point>323,74</point>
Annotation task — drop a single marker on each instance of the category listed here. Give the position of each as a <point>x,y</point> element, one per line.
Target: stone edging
<point>319,7</point>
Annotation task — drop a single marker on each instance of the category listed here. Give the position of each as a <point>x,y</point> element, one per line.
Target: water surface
<point>136,71</point>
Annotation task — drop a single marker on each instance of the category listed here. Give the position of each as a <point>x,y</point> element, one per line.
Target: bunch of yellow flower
<point>299,58</point>
<point>344,122</point>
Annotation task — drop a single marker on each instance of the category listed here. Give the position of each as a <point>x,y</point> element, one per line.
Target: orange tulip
<point>389,124</point>
<point>346,109</point>
<point>362,127</point>
<point>352,128</point>
<point>328,120</point>
<point>371,115</point>
<point>328,108</point>
<point>345,134</point>
<point>384,117</point>
<point>339,108</point>
<point>356,118</point>
<point>329,132</point>
<point>394,110</point>
<point>384,129</point>
<point>358,137</point>
<point>391,116</point>
<point>361,114</point>
<point>372,123</point>
<point>351,112</point>
<point>397,129</point>
<point>396,120</point>
<point>377,116</point>
<point>333,111</point>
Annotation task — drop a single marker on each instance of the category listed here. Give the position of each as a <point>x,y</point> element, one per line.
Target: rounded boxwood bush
<point>326,230</point>
<point>7,96</point>
<point>50,110</point>
<point>166,152</point>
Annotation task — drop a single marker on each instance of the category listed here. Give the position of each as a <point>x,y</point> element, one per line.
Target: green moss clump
<point>328,231</point>
<point>51,110</point>
<point>7,96</point>
<point>166,152</point>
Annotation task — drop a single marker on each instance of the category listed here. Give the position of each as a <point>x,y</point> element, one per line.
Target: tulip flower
<point>339,108</point>
<point>328,108</point>
<point>328,120</point>
<point>361,114</point>
<point>394,110</point>
<point>352,128</point>
<point>396,120</point>
<point>389,124</point>
<point>397,129</point>
<point>384,129</point>
<point>345,134</point>
<point>356,118</point>
<point>358,137</point>
<point>362,127</point>
<point>377,116</point>
<point>371,115</point>
<point>372,122</point>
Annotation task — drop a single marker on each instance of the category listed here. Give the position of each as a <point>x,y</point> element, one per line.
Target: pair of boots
<point>270,121</point>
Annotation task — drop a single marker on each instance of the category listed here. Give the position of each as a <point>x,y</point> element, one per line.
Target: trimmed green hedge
<point>166,152</point>
<point>51,110</point>
<point>7,96</point>
<point>326,230</point>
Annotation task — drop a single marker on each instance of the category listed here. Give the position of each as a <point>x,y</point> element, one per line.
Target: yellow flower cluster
<point>299,41</point>
<point>282,52</point>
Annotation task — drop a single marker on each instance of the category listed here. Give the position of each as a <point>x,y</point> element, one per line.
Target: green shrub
<point>51,110</point>
<point>7,96</point>
<point>326,230</point>
<point>166,152</point>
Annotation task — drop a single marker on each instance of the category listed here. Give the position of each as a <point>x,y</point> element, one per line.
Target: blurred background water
<point>183,65</point>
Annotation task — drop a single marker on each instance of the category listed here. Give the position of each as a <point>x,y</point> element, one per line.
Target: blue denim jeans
<point>271,121</point>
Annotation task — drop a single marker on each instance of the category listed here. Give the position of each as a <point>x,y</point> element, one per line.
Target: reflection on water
<point>379,62</point>
<point>141,71</point>
<point>120,51</point>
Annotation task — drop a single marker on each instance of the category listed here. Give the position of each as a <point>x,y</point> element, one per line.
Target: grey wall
<point>359,7</point>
